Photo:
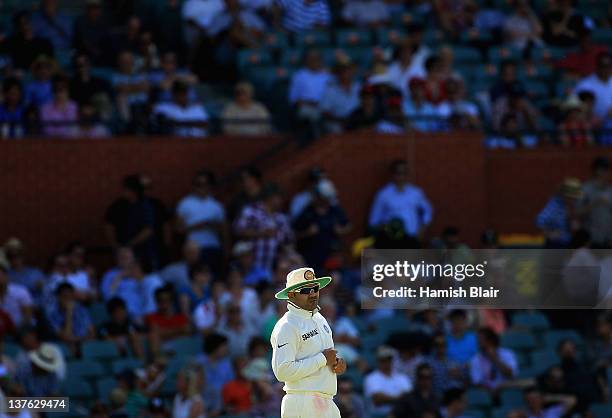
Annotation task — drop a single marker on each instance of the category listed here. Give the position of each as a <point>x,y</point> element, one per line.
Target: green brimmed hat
<point>302,277</point>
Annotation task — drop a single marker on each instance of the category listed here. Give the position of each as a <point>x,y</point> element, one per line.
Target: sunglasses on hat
<point>308,290</point>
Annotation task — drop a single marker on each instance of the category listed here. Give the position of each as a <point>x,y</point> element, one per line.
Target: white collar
<point>293,308</point>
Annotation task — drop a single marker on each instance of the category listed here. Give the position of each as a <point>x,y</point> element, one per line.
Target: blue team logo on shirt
<point>325,328</point>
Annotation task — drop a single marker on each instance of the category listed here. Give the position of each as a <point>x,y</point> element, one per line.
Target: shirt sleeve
<point>377,212</point>
<point>284,364</point>
<point>23,296</point>
<point>426,209</point>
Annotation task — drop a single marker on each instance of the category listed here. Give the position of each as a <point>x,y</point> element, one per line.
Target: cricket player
<point>303,354</point>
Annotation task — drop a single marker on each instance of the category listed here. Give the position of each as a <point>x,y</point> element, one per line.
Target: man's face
<point>384,364</point>
<point>307,297</point>
<point>164,302</point>
<point>508,73</point>
<point>313,60</point>
<point>201,185</point>
<point>400,174</point>
<point>119,314</point>
<point>125,257</point>
<point>425,379</point>
<point>169,62</point>
<point>458,324</point>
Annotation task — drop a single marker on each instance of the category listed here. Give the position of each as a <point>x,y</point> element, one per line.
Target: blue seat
<point>77,388</point>
<point>600,410</point>
<point>387,36</point>
<point>466,55</point>
<point>544,359</point>
<point>292,57</point>
<point>100,350</point>
<point>518,340</point>
<point>554,337</point>
<point>353,37</point>
<point>253,57</point>
<point>104,387</point>
<point>185,346</point>
<point>511,397</point>
<point>85,369</point>
<point>98,314</point>
<point>500,412</point>
<point>312,38</point>
<point>478,398</point>
<point>475,413</point>
<point>602,35</point>
<point>501,53</point>
<point>530,320</point>
<point>126,363</point>
<point>276,40</point>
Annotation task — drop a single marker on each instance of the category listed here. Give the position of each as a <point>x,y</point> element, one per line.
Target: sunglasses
<point>308,290</point>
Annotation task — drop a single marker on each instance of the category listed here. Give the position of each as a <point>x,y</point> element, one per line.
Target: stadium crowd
<point>523,71</point>
<point>159,335</point>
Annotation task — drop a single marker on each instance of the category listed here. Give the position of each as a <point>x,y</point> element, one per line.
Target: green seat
<point>253,57</point>
<point>603,36</point>
<point>292,57</point>
<point>536,89</point>
<point>518,340</point>
<point>100,350</point>
<point>475,35</point>
<point>501,412</point>
<point>104,387</point>
<point>466,55</point>
<point>501,53</point>
<point>511,397</point>
<point>185,346</point>
<point>553,338</point>
<point>276,40</point>
<point>530,320</point>
<point>98,314</point>
<point>353,37</point>
<point>387,36</point>
<point>362,56</point>
<point>475,413</point>
<point>478,398</point>
<point>601,410</point>
<point>85,369</point>
<point>315,38</point>
<point>542,360</point>
<point>125,363</point>
<point>76,388</point>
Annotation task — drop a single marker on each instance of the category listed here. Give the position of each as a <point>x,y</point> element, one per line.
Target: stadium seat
<point>77,388</point>
<point>466,55</point>
<point>98,314</point>
<point>536,89</point>
<point>10,349</point>
<point>168,388</point>
<point>511,397</point>
<point>253,57</point>
<point>530,320</point>
<point>500,53</point>
<point>125,363</point>
<point>474,35</point>
<point>185,346</point>
<point>292,57</point>
<point>276,40</point>
<point>501,412</point>
<point>353,37</point>
<point>518,340</point>
<point>389,36</point>
<point>100,350</point>
<point>602,35</point>
<point>475,413</point>
<point>478,398</point>
<point>600,410</point>
<point>544,359</point>
<point>104,387</point>
<point>312,38</point>
<point>554,337</point>
<point>85,369</point>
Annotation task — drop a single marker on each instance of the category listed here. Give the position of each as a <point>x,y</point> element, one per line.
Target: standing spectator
<point>85,89</point>
<point>120,329</point>
<point>341,97</point>
<point>38,376</point>
<point>595,205</point>
<point>320,226</point>
<point>39,91</point>
<point>349,402</point>
<point>19,271</point>
<point>53,25</point>
<point>492,366</point>
<point>265,226</point>
<point>23,47</point>
<point>558,219</point>
<point>522,28</point>
<point>91,31</point>
<point>600,83</point>
<point>131,87</point>
<point>202,218</point>
<point>60,115</point>
<point>245,116</point>
<point>461,342</point>
<point>165,324</point>
<point>219,371</point>
<point>303,15</point>
<point>130,222</point>
<point>188,402</point>
<point>575,130</point>
<point>69,320</point>
<point>447,373</point>
<point>15,299</point>
<point>562,26</point>
<point>12,110</point>
<point>164,78</point>
<point>383,387</point>
<point>453,403</point>
<point>366,13</point>
<point>179,117</point>
<point>251,190</point>
<point>423,398</point>
<point>422,115</point>
<point>402,200</point>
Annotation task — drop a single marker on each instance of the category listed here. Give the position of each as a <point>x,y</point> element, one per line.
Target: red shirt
<point>582,62</point>
<point>166,322</point>
<point>237,394</point>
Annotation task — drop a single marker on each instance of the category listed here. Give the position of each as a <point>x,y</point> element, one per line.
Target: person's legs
<point>292,406</point>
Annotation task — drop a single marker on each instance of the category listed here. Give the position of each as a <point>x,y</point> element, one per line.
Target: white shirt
<point>202,11</point>
<point>194,209</point>
<point>409,204</point>
<point>16,298</point>
<point>602,91</point>
<point>308,85</point>
<point>205,315</point>
<point>298,341</point>
<point>483,372</point>
<point>192,113</point>
<point>394,385</point>
<point>400,76</point>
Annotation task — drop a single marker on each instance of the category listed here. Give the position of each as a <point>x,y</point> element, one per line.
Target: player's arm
<point>284,365</point>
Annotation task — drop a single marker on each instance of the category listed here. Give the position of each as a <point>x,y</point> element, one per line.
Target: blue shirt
<point>256,275</point>
<point>554,218</point>
<point>408,204</point>
<point>424,118</point>
<point>339,102</point>
<point>138,295</point>
<point>57,29</point>
<point>38,93</point>
<point>308,85</point>
<point>300,16</point>
<point>80,320</point>
<point>11,122</point>
<point>461,350</point>
<point>28,277</point>
<point>217,375</point>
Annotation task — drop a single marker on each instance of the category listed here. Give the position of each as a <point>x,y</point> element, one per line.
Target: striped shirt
<point>302,15</point>
<point>255,217</point>
<point>554,217</point>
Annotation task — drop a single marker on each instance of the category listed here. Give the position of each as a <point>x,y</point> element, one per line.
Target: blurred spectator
<point>233,28</point>
<point>423,398</point>
<point>493,366</point>
<point>165,324</point>
<point>245,116</point>
<point>393,122</point>
<point>575,130</point>
<point>156,409</point>
<point>118,401</point>
<point>198,291</point>
<point>454,16</point>
<point>12,110</point>
<point>368,113</point>
<point>251,189</point>
<point>90,126</point>
<point>522,28</point>
<point>423,116</point>
<point>265,226</point>
<point>169,72</point>
<point>340,97</point>
<point>587,102</point>
<point>91,32</point>
<point>303,15</point>
<point>244,261</point>
<point>130,221</point>
<point>188,402</point>
<point>59,116</point>
<point>218,368</point>
<point>366,13</point>
<point>207,314</point>
<point>461,342</point>
<point>456,107</point>
<point>517,104</point>
<point>237,394</point>
<point>402,200</point>
<point>349,402</point>
<point>178,273</point>
<point>147,53</point>
<point>69,320</point>
<point>136,400</point>
<point>489,19</point>
<point>600,347</point>
<point>302,199</point>
<point>38,91</point>
<point>38,376</point>
<point>583,61</point>
<point>453,403</point>
<point>561,24</point>
<point>405,66</point>
<point>558,219</point>
<point>179,117</point>
<point>120,329</point>
<point>131,87</point>
<point>600,83</point>
<point>125,38</point>
<point>52,25</point>
<point>237,330</point>
<point>510,135</point>
<point>86,89</point>
<point>321,225</point>
<point>15,299</point>
<point>383,387</point>
<point>263,309</point>
<point>23,46</point>
<point>579,376</point>
<point>19,271</point>
<point>595,205</point>
<point>535,404</point>
<point>435,81</point>
<point>202,217</point>
<point>65,271</point>
<point>447,373</point>
<point>446,58</point>
<point>508,81</point>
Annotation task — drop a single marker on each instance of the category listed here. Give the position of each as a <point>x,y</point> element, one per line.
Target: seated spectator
<point>237,394</point>
<point>508,81</point>
<point>61,273</point>
<point>447,58</point>
<point>453,403</point>
<point>368,114</point>
<point>136,401</point>
<point>561,25</point>
<point>341,97</point>
<point>179,117</point>
<point>237,330</point>
<point>188,402</point>
<point>303,15</point>
<point>38,376</point>
<point>198,290</point>
<point>600,348</point>
<point>423,398</point>
<point>466,112</point>
<point>207,314</point>
<point>15,299</point>
<point>366,13</point>
<point>346,334</point>
<point>120,329</point>
<point>349,401</point>
<point>517,104</point>
<point>234,27</point>
<point>38,92</point>
<point>86,89</point>
<point>304,197</point>
<point>131,87</point>
<point>461,341</point>
<point>535,401</point>
<point>164,78</point>
<point>493,366</point>
<point>218,368</point>
<point>23,46</point>
<point>447,373</point>
<point>422,115</point>
<point>12,110</point>
<point>580,379</point>
<point>394,121</point>
<point>522,28</point>
<point>489,19</point>
<point>405,66</point>
<point>60,115</point>
<point>510,135</point>
<point>559,218</point>
<point>53,25</point>
<point>575,130</point>
<point>434,80</point>
<point>91,32</point>
<point>245,116</point>
<point>165,324</point>
<point>147,53</point>
<point>178,273</point>
<point>251,191</point>
<point>454,16</point>
<point>244,261</point>
<point>383,387</point>
<point>155,409</point>
<point>260,311</point>
<point>600,83</point>
<point>82,274</point>
<point>90,126</point>
<point>582,61</point>
<point>68,319</point>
